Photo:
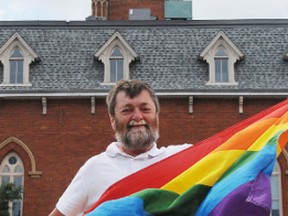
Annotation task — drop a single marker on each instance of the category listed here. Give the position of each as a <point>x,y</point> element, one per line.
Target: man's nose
<point>137,115</point>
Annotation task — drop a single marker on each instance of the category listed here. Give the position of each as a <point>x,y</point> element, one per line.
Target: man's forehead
<point>124,93</point>
<point>122,97</point>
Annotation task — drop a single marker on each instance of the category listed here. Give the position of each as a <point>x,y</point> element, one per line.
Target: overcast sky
<point>80,9</point>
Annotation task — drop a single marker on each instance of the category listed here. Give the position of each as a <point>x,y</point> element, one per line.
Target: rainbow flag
<point>226,174</point>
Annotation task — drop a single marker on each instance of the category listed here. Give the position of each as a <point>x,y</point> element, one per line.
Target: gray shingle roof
<point>168,50</point>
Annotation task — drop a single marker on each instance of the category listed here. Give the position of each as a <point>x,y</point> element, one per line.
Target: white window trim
<point>234,54</point>
<point>277,172</point>
<point>104,53</point>
<point>28,56</point>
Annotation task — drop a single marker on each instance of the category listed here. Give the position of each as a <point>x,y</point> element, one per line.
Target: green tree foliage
<point>8,192</point>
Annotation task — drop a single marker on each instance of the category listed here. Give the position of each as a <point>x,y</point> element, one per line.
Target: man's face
<point>136,122</point>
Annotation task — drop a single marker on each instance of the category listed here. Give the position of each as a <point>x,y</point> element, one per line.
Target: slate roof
<point>168,55</point>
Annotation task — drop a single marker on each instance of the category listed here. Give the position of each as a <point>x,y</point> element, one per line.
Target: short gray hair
<point>132,88</point>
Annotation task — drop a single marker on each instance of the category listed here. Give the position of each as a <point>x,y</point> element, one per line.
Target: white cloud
<point>45,9</point>
<point>2,13</point>
<point>80,9</point>
<point>225,9</point>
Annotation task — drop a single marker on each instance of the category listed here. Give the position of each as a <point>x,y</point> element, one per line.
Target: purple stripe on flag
<point>251,198</point>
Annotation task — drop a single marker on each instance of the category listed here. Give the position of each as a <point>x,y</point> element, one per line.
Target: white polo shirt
<point>102,170</point>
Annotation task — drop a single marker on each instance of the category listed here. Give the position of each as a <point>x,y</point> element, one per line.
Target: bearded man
<point>134,116</point>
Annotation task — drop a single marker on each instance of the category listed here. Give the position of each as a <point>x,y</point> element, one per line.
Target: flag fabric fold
<point>227,174</point>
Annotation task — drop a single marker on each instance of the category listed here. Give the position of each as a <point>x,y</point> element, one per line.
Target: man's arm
<point>56,212</point>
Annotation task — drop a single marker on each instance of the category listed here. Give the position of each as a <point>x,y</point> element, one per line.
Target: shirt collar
<point>113,151</point>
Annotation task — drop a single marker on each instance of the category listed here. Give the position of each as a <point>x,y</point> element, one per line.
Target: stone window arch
<point>34,173</point>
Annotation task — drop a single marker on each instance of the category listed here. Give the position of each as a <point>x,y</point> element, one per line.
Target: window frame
<point>18,72</point>
<point>29,56</point>
<point>105,52</point>
<point>233,54</point>
<point>117,59</point>
<point>222,59</point>
<point>277,172</point>
<point>11,175</point>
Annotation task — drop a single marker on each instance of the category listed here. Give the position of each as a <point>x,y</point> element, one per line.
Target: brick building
<point>55,76</point>
<point>141,9</point>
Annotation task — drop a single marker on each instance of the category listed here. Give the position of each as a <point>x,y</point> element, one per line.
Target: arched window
<point>16,56</point>
<point>116,65</point>
<point>221,64</point>
<point>105,9</point>
<point>116,54</point>
<point>276,191</point>
<point>98,9</point>
<point>16,66</point>
<point>221,54</point>
<point>12,171</point>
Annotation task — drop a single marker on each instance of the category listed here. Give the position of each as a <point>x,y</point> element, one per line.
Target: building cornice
<point>143,23</point>
<point>159,94</point>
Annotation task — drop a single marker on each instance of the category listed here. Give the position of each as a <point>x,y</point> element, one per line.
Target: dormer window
<point>221,55</point>
<point>116,65</point>
<point>116,55</point>
<point>16,56</point>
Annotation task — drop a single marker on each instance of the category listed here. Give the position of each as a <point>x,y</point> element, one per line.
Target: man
<point>134,116</point>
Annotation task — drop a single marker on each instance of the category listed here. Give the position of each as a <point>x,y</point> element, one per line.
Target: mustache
<point>133,123</point>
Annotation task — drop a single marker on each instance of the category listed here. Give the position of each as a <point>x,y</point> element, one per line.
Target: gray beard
<point>137,138</point>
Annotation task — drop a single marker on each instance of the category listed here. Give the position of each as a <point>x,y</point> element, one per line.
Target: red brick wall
<point>119,9</point>
<point>69,134</point>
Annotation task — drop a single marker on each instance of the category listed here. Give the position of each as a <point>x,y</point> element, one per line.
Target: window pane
<point>13,71</point>
<point>119,69</point>
<point>5,180</point>
<point>274,187</point>
<point>217,70</point>
<point>18,169</point>
<point>18,180</point>
<point>113,71</point>
<point>16,53</point>
<point>224,70</point>
<point>275,204</point>
<point>12,160</point>
<point>221,70</point>
<point>5,169</point>
<point>20,72</point>
<point>116,52</point>
<point>275,212</point>
<point>221,51</point>
<point>16,208</point>
<point>16,71</point>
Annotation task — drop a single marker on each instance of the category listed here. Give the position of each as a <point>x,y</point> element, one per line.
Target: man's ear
<point>112,122</point>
